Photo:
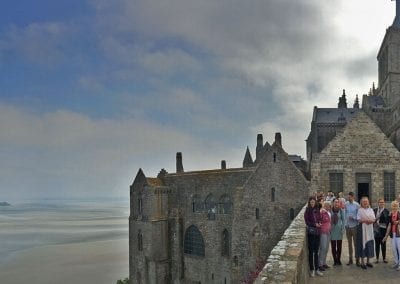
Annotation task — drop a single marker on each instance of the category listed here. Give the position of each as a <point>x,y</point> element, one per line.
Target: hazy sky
<point>92,90</point>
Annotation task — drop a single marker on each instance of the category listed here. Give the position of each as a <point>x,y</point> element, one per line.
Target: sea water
<point>29,224</point>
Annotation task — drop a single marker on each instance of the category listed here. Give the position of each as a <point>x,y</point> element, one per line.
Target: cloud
<point>64,153</point>
<point>39,43</point>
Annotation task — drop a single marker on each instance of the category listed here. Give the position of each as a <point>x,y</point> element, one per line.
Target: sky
<point>93,90</point>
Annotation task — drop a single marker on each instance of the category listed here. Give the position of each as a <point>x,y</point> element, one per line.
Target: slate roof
<point>334,115</point>
<point>375,101</point>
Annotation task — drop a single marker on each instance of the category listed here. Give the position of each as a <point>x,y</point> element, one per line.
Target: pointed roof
<point>396,21</point>
<point>248,160</point>
<point>361,141</point>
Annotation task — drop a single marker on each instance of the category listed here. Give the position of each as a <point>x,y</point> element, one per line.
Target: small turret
<point>248,160</point>
<point>179,164</point>
<point>356,103</point>
<point>342,100</point>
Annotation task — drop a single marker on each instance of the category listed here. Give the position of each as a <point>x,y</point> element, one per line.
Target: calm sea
<point>36,223</point>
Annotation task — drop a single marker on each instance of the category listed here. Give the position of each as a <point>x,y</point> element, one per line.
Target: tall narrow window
<point>274,156</point>
<point>225,243</point>
<point>257,213</point>
<point>140,241</point>
<point>389,186</point>
<point>194,243</point>
<point>336,182</point>
<point>273,194</point>
<point>140,208</point>
<point>291,213</point>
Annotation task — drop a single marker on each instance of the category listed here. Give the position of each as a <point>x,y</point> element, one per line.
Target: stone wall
<point>288,261</point>
<point>362,148</point>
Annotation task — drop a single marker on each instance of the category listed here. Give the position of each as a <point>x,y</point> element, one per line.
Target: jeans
<point>313,248</point>
<point>323,248</point>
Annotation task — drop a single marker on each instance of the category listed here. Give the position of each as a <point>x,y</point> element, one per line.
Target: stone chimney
<point>278,139</point>
<point>223,165</point>
<point>179,165</point>
<point>259,147</point>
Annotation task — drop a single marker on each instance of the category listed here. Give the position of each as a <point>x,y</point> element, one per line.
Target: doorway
<point>363,181</point>
<point>363,190</point>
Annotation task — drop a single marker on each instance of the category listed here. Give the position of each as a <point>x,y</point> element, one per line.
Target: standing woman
<point>313,221</point>
<point>393,231</point>
<point>325,234</point>
<point>380,226</point>
<point>337,229</point>
<point>365,232</point>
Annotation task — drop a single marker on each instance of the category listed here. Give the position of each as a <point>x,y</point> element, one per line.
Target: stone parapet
<point>288,261</point>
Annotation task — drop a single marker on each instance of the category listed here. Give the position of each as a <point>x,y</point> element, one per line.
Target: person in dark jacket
<point>312,219</point>
<point>380,226</point>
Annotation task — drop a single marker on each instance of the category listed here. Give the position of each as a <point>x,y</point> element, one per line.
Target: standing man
<point>351,223</point>
<point>380,225</point>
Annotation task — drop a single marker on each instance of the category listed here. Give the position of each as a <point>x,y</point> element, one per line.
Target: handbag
<point>313,230</point>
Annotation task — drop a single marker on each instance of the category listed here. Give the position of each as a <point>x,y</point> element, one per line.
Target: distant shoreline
<point>3,203</point>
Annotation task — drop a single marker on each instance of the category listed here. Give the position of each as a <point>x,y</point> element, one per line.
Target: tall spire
<point>396,22</point>
<point>247,161</point>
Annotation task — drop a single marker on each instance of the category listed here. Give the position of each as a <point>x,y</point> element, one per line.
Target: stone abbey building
<point>213,226</point>
<point>219,226</point>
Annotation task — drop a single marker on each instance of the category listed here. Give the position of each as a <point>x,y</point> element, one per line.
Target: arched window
<point>140,241</point>
<point>210,204</point>
<point>273,194</point>
<point>197,204</point>
<point>225,205</point>
<point>225,243</point>
<point>291,213</point>
<point>194,243</point>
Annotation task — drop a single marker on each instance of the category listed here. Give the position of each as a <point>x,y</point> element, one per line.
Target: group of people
<point>328,217</point>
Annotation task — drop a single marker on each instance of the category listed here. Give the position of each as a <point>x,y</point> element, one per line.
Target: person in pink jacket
<point>325,233</point>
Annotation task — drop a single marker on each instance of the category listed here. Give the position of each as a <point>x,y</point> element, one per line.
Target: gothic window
<point>257,213</point>
<point>197,204</point>
<point>389,186</point>
<point>273,194</point>
<point>140,208</point>
<point>336,182</point>
<point>140,241</point>
<point>291,213</point>
<point>225,205</point>
<point>194,243</point>
<point>274,157</point>
<point>210,204</point>
<point>225,243</point>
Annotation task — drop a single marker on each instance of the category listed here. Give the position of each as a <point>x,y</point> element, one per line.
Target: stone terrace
<point>288,263</point>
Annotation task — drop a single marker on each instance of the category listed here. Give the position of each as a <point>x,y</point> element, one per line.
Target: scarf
<point>367,214</point>
<point>335,217</point>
